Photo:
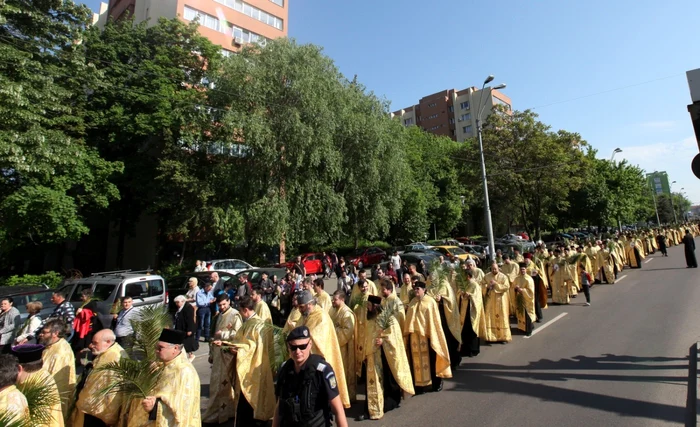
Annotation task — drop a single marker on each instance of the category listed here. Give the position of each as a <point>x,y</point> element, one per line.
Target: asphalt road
<point>622,361</point>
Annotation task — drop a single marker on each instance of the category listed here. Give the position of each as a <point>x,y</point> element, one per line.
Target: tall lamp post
<point>487,205</point>
<point>615,151</point>
<point>673,208</point>
<point>653,196</point>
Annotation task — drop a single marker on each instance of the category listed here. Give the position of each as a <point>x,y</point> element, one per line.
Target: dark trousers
<point>245,414</point>
<point>538,306</point>
<point>587,292</point>
<point>91,421</point>
<point>203,322</point>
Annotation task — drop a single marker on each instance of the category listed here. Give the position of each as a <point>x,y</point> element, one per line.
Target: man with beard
<point>524,289</point>
<point>385,364</point>
<point>93,409</point>
<point>477,273</point>
<point>428,353</point>
<point>495,292</point>
<point>323,300</point>
<point>356,290</point>
<point>325,341</point>
<point>12,401</point>
<point>359,308</point>
<point>261,308</point>
<point>391,302</point>
<point>471,313</point>
<point>59,360</point>
<point>560,287</point>
<point>221,400</point>
<point>253,385</point>
<point>406,293</point>
<point>344,322</point>
<point>31,371</point>
<point>606,263</point>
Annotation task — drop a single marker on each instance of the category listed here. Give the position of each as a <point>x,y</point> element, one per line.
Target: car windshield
<point>103,291</point>
<point>458,251</point>
<point>358,252</point>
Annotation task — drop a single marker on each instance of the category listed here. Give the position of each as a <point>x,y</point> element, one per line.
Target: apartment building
<point>228,23</point>
<point>659,182</point>
<point>451,112</point>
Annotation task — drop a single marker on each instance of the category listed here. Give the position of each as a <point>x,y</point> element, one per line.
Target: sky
<point>612,71</point>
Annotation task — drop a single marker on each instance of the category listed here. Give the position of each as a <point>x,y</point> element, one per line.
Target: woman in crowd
<point>32,322</point>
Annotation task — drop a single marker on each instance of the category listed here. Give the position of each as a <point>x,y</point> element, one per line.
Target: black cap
<point>522,265</point>
<point>374,299</point>
<point>172,336</point>
<point>300,332</point>
<point>419,284</point>
<point>28,353</point>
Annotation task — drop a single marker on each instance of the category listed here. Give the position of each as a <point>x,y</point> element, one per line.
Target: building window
<point>465,117</point>
<point>467,129</point>
<point>241,35</point>
<point>278,2</point>
<point>408,122</point>
<point>434,116</point>
<point>254,12</point>
<point>205,20</point>
<point>226,53</point>
<point>436,127</point>
<point>432,105</point>
<point>657,180</point>
<point>451,108</point>
<point>464,105</point>
<point>452,121</point>
<point>502,102</point>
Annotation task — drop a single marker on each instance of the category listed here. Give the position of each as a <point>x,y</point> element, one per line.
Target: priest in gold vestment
<point>59,361</point>
<point>221,395</point>
<point>31,371</point>
<point>606,263</point>
<point>12,401</point>
<point>325,341</point>
<point>524,288</point>
<point>471,314</point>
<point>510,269</point>
<point>323,300</point>
<point>261,308</point>
<point>427,347</point>
<point>344,322</point>
<point>560,276</point>
<point>253,346</point>
<point>391,301</point>
<point>174,401</point>
<point>448,306</point>
<point>406,294</point>
<point>357,288</point>
<point>386,365</point>
<point>496,296</point>
<point>91,404</point>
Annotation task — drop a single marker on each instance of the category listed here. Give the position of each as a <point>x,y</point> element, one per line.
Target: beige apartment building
<point>452,113</point>
<point>228,23</point>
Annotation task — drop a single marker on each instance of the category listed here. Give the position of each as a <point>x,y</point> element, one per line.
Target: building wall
<point>659,182</point>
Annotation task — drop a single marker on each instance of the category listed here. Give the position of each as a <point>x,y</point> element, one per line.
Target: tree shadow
<point>490,378</point>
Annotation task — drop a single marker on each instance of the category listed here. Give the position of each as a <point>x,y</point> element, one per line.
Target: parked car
<point>313,263</point>
<point>21,295</point>
<point>417,245</point>
<point>367,256</point>
<point>460,253</point>
<point>231,266</point>
<point>255,274</point>
<point>417,257</point>
<point>178,285</point>
<point>477,251</point>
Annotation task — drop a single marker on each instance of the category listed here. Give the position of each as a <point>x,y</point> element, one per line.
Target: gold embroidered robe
<point>423,329</point>
<point>471,297</point>
<point>344,322</point>
<point>395,353</point>
<point>451,307</point>
<point>221,395</point>
<point>59,361</point>
<point>42,376</point>
<point>90,401</point>
<point>527,292</point>
<point>323,300</point>
<point>496,308</point>
<point>178,390</point>
<point>263,311</point>
<point>293,320</point>
<point>13,402</point>
<point>393,303</point>
<point>406,293</point>
<point>511,270</point>
<point>560,281</point>
<point>326,345</point>
<point>356,292</point>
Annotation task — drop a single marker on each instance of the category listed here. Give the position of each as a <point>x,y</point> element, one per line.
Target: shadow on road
<point>490,378</point>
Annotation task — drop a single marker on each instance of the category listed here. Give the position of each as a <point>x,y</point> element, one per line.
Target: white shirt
<point>396,262</point>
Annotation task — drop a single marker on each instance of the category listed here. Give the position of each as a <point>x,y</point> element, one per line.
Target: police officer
<point>307,391</point>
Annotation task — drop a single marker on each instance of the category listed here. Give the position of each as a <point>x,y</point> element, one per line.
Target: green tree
<point>666,208</point>
<point>50,178</point>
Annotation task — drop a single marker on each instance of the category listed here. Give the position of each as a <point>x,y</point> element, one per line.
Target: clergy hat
<point>374,299</point>
<point>172,336</point>
<point>419,284</point>
<point>522,265</point>
<point>28,353</point>
<point>304,297</point>
<point>528,255</point>
<point>300,332</point>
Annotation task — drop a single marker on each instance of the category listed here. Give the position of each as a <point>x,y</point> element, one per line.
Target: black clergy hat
<point>172,336</point>
<point>522,265</point>
<point>28,353</point>
<point>300,332</point>
<point>419,284</point>
<point>374,299</point>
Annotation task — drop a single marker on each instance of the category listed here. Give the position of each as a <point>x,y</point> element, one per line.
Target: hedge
<point>51,279</point>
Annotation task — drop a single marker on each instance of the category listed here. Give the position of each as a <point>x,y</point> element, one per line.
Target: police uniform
<point>304,397</point>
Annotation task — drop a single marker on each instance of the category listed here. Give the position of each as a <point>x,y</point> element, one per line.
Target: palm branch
<point>576,258</point>
<point>134,379</point>
<point>9,419</point>
<point>462,281</point>
<point>278,352</point>
<point>520,303</point>
<point>611,245</point>
<point>359,300</point>
<point>386,317</point>
<point>486,296</point>
<point>148,325</point>
<point>40,398</point>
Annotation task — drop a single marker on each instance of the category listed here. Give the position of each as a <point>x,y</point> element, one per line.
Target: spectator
<point>395,261</point>
<point>216,282</point>
<point>340,267</point>
<point>298,268</point>
<point>345,283</point>
<point>64,311</point>
<point>9,320</point>
<point>199,266</point>
<point>32,322</point>
<point>192,290</point>
<point>267,288</point>
<point>204,298</point>
<point>184,321</point>
<point>122,323</point>
<point>86,323</point>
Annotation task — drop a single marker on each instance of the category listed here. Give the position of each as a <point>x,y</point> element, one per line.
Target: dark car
<point>417,257</point>
<point>367,256</point>
<point>255,274</point>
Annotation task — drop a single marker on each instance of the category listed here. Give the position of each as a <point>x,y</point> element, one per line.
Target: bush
<point>51,279</point>
<point>168,271</point>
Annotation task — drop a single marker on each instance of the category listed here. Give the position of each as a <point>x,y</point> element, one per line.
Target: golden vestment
<point>592,253</point>
<point>406,294</point>
<point>360,311</point>
<point>395,354</point>
<point>325,344</point>
<point>540,283</point>
<point>424,328</point>
<point>105,407</point>
<point>518,258</point>
<point>356,292</point>
<point>496,308</point>
<point>59,361</point>
<point>527,293</point>
<point>263,311</point>
<point>253,374</point>
<point>323,300</point>
<point>560,278</point>
<point>394,304</point>
<point>451,307</point>
<point>607,264</point>
<point>42,376</point>
<point>344,322</point>
<point>511,270</point>
<point>178,391</point>
<point>221,395</point>
<point>471,297</point>
<point>13,401</point>
<point>293,320</point>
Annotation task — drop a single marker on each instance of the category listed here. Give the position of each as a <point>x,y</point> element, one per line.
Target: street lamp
<point>653,196</point>
<point>615,151</point>
<point>673,208</point>
<point>487,205</point>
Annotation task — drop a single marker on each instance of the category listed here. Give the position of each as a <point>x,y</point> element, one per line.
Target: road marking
<point>649,260</point>
<point>620,278</point>
<point>546,324</point>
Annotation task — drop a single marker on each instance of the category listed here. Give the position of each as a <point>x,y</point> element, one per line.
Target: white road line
<point>649,260</point>
<point>546,324</point>
<point>620,278</point>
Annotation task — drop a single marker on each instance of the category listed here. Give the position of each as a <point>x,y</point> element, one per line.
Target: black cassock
<point>689,243</point>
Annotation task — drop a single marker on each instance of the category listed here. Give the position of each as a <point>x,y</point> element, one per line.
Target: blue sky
<point>613,71</point>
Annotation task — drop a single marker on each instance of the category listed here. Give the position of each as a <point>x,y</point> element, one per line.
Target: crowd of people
<point>398,333</point>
